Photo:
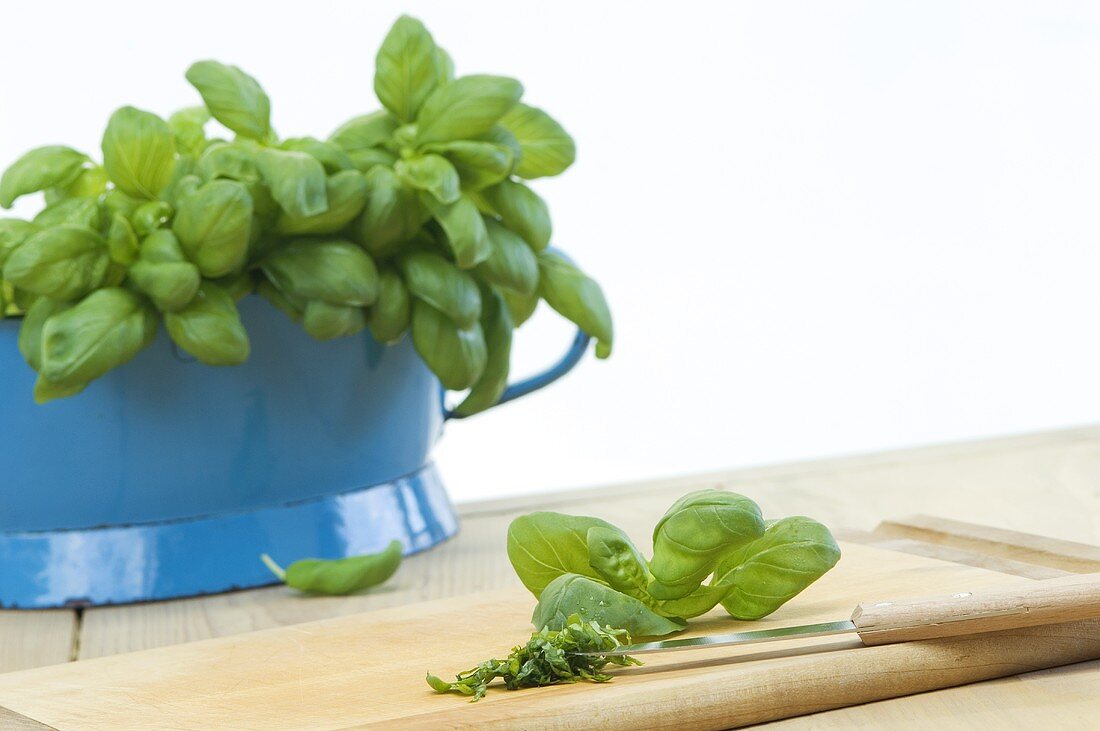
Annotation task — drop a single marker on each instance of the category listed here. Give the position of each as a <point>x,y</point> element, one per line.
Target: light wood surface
<point>368,669</point>
<point>1046,483</point>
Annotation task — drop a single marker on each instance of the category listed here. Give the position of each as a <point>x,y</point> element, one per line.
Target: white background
<point>823,227</point>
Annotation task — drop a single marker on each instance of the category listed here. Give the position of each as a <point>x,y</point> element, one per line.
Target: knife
<point>1051,601</point>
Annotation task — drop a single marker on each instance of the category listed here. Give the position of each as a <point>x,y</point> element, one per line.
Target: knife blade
<point>1026,604</point>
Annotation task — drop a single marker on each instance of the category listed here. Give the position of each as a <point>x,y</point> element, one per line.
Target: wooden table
<point>1046,484</point>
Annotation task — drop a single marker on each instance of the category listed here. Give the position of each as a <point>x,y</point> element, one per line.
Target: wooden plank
<point>13,721</point>
<point>1079,558</point>
<point>31,639</point>
<point>369,668</point>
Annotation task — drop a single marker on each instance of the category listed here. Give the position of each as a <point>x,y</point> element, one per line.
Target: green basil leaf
<point>189,127</point>
<point>365,160</point>
<point>346,193</point>
<point>766,573</point>
<point>547,147</point>
<point>462,223</point>
<point>233,97</point>
<point>342,576</point>
<point>456,356</point>
<point>496,324</point>
<point>330,155</point>
<point>573,594</point>
<point>393,213</point>
<point>438,282</point>
<point>407,69</point>
<point>13,232</point>
<point>700,601</point>
<point>500,135</point>
<point>65,262</point>
<point>333,271</point>
<point>213,226</point>
<point>296,180</point>
<point>326,322</point>
<point>104,330</point>
<point>521,210</point>
<point>543,546</point>
<point>479,164</point>
<point>122,242</point>
<point>466,108</point>
<point>389,316</point>
<point>30,330</point>
<point>86,212</point>
<point>162,246</point>
<point>366,132</point>
<point>271,293</point>
<point>431,173</point>
<point>577,298</point>
<point>512,265</point>
<point>233,160</point>
<point>697,532</point>
<point>40,169</point>
<point>171,285</point>
<point>617,561</point>
<point>139,152</point>
<point>150,216</point>
<point>520,306</point>
<point>46,390</point>
<point>210,328</point>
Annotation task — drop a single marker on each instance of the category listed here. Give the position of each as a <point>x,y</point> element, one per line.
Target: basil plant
<point>415,218</point>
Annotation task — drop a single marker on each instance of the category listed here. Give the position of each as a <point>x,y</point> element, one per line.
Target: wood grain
<point>32,639</point>
<point>368,669</point>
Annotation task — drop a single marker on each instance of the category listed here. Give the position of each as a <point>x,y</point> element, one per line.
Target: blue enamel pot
<point>168,478</point>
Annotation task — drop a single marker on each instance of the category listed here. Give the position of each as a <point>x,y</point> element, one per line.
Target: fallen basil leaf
<point>64,262</point>
<point>521,210</point>
<point>342,576</point>
<point>547,147</point>
<point>139,152</point>
<point>576,297</point>
<point>465,108</point>
<point>456,355</point>
<point>296,180</point>
<point>210,328</point>
<point>233,97</point>
<point>40,169</point>
<point>592,601</point>
<point>213,225</point>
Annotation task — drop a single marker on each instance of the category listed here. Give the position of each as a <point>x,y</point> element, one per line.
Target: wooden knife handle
<point>1051,601</point>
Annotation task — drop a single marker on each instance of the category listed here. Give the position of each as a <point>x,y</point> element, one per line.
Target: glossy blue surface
<point>168,478</point>
<point>189,557</point>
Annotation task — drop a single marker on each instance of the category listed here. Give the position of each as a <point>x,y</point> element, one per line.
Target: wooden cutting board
<point>367,670</point>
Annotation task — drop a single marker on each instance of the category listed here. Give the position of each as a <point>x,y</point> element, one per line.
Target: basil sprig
<point>414,218</point>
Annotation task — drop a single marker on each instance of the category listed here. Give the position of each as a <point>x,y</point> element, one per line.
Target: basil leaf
<point>189,128</point>
<point>577,298</point>
<point>698,531</point>
<point>393,213</point>
<point>617,561</point>
<point>40,169</point>
<point>85,212</point>
<point>456,356</point>
<point>547,149</point>
<point>13,232</point>
<point>768,572</point>
<point>700,601</point>
<point>511,265</point>
<point>233,97</point>
<point>438,282</point>
<point>462,223</point>
<point>296,180</point>
<point>389,316</point>
<point>573,594</point>
<point>346,193</point>
<point>431,173</point>
<point>407,68</point>
<point>164,274</point>
<point>365,132</point>
<point>46,390</point>
<point>496,324</point>
<point>333,271</point>
<point>122,242</point>
<point>30,331</point>
<point>522,210</point>
<point>479,164</point>
<point>520,306</point>
<point>466,108</point>
<point>150,216</point>
<point>342,576</point>
<point>333,158</point>
<point>210,328</point>
<point>326,322</point>
<point>543,546</point>
<point>213,225</point>
<point>65,262</point>
<point>233,160</point>
<point>104,330</point>
<point>139,152</point>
